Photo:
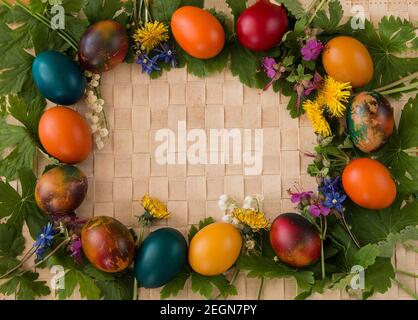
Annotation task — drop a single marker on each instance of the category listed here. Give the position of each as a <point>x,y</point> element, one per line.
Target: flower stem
<point>406,289</point>
<point>406,273</point>
<point>347,227</point>
<point>65,36</point>
<point>260,289</point>
<point>323,235</point>
<point>396,83</point>
<point>64,242</point>
<point>319,7</point>
<point>24,259</point>
<point>411,86</point>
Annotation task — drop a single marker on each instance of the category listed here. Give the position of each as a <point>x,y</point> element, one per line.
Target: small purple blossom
<point>76,248</point>
<point>314,84</point>
<point>44,240</point>
<point>148,64</point>
<point>298,197</point>
<point>317,209</point>
<point>311,50</point>
<point>270,67</point>
<point>167,54</point>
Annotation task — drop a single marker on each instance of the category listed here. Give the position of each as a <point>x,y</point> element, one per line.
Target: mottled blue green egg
<point>58,78</point>
<point>160,258</point>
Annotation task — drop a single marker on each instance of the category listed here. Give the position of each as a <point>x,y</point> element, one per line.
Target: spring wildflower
<point>44,240</point>
<point>311,50</point>
<point>148,64</point>
<point>296,197</point>
<point>256,220</point>
<point>167,54</point>
<point>155,208</point>
<point>333,193</point>
<point>317,209</point>
<point>315,114</point>
<point>151,35</point>
<point>333,94</point>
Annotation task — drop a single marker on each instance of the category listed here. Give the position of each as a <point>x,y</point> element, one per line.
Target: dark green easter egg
<point>160,258</point>
<point>58,78</point>
<point>370,121</point>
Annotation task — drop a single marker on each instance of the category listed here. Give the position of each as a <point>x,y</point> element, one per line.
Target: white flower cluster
<point>96,116</point>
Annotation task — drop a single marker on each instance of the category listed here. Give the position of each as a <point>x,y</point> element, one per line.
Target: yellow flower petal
<point>151,35</point>
<point>315,114</point>
<point>154,207</point>
<point>253,219</point>
<point>334,95</point>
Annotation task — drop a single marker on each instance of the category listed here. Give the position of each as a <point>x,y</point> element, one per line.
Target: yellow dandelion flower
<point>151,35</point>
<point>155,208</point>
<point>315,114</point>
<point>333,94</point>
<point>253,219</point>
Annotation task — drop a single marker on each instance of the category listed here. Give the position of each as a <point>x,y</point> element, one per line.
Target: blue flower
<point>148,64</point>
<point>333,193</point>
<point>44,240</point>
<point>167,54</point>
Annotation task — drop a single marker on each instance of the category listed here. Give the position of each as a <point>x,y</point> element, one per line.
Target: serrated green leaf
<point>387,247</point>
<point>237,7</point>
<point>121,288</point>
<point>329,22</point>
<point>393,36</point>
<point>367,255</point>
<point>378,277</point>
<point>203,223</point>
<point>194,3</point>
<point>25,287</point>
<point>87,286</point>
<point>44,40</point>
<point>12,242</point>
<point>176,285</point>
<point>262,267</point>
<point>15,70</point>
<point>98,10</point>
<point>19,208</point>
<point>294,7</point>
<point>372,226</point>
<point>162,10</point>
<point>204,285</point>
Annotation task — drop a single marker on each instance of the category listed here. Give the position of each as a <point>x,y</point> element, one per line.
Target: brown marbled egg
<point>370,121</point>
<point>107,244</point>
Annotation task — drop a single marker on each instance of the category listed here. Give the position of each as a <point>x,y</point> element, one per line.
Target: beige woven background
<point>126,169</point>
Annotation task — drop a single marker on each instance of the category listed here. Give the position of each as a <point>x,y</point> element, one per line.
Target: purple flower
<point>333,193</point>
<point>167,54</point>
<point>270,67</point>
<point>148,64</point>
<point>300,196</point>
<point>311,50</point>
<point>44,240</point>
<point>76,248</point>
<point>314,84</point>
<point>318,209</point>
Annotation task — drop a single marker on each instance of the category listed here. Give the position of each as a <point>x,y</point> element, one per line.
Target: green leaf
<point>26,287</point>
<point>194,3</point>
<point>247,66</point>
<point>15,71</point>
<point>162,10</point>
<point>12,242</point>
<point>237,7</point>
<point>294,7</point>
<point>74,6</point>
<point>367,255</point>
<point>408,124</point>
<point>176,285</point>
<point>387,246</point>
<point>121,288</point>
<point>18,145</point>
<point>43,39</point>
<point>195,229</point>
<point>393,37</point>
<point>204,285</point>
<point>19,208</point>
<point>87,286</point>
<point>378,277</point>
<point>98,10</point>
<point>330,22</point>
<point>262,267</point>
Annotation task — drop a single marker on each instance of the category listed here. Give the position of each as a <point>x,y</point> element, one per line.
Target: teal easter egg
<point>160,258</point>
<point>58,78</point>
